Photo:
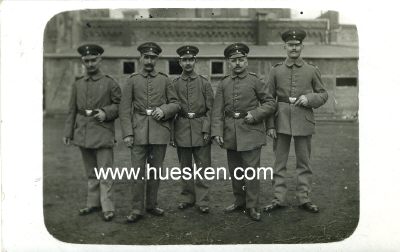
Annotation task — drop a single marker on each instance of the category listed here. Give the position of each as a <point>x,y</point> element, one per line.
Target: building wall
<point>128,32</point>
<point>65,31</point>
<point>60,73</point>
<point>270,30</point>
<point>332,16</point>
<point>218,13</point>
<point>345,35</point>
<point>69,29</point>
<point>167,30</point>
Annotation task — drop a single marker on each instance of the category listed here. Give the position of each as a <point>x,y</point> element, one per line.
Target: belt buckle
<point>236,115</point>
<point>149,112</point>
<point>292,100</point>
<point>191,115</point>
<point>88,112</point>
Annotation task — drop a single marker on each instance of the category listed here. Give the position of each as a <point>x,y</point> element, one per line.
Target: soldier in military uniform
<point>148,103</point>
<point>192,128</point>
<point>240,107</point>
<point>299,89</point>
<point>92,110</point>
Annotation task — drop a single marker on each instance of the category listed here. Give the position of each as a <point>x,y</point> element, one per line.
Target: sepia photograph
<point>158,122</point>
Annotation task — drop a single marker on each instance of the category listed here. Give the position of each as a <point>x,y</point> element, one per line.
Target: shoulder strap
<point>134,74</point>
<point>79,77</point>
<point>110,77</point>
<point>163,74</point>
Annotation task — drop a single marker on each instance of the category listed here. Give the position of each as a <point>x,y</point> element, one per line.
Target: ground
<point>335,190</point>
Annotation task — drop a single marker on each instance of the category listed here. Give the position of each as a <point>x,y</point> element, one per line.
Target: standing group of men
<point>155,112</point>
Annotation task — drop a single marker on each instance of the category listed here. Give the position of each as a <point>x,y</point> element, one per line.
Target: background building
<point>329,45</point>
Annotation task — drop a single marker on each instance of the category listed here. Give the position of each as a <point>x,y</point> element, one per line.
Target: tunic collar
<point>193,75</point>
<point>145,73</point>
<point>94,77</point>
<point>290,62</point>
<point>241,75</point>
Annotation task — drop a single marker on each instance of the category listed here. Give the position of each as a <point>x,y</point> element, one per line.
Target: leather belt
<point>290,100</point>
<point>191,115</point>
<point>87,112</point>
<point>235,115</point>
<point>146,112</point>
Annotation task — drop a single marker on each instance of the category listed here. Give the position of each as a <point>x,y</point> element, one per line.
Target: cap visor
<point>150,53</point>
<point>293,42</point>
<point>236,55</point>
<point>187,56</point>
<point>90,56</point>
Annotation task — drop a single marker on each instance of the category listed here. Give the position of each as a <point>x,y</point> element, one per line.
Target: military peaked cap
<point>236,50</point>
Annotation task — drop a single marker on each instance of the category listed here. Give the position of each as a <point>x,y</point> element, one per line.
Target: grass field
<point>335,190</point>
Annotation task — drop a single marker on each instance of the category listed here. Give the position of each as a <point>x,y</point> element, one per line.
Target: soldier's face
<point>91,63</point>
<point>238,65</point>
<point>187,64</point>
<point>148,62</point>
<point>293,50</point>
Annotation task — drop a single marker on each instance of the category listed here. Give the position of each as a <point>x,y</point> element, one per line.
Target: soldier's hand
<point>301,101</point>
<point>128,141</point>
<point>271,133</point>
<point>157,114</point>
<point>219,140</point>
<point>249,118</point>
<point>206,137</point>
<point>172,143</point>
<point>66,140</point>
<point>100,116</point>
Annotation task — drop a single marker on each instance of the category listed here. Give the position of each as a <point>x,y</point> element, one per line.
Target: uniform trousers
<point>145,189</point>
<point>195,190</point>
<point>99,190</point>
<point>245,191</point>
<point>302,146</point>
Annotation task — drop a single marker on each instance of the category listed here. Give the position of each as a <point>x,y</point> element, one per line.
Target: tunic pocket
<point>107,125</point>
<point>310,117</point>
<point>258,127</point>
<point>166,124</point>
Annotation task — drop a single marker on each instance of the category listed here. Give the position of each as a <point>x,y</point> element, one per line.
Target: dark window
<point>217,67</point>
<point>346,82</point>
<point>174,67</point>
<point>129,67</point>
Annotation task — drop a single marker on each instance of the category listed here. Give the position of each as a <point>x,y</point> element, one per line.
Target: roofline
<point>67,55</point>
<point>147,19</point>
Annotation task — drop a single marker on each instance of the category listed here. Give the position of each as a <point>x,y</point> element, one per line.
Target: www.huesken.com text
<point>186,173</point>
